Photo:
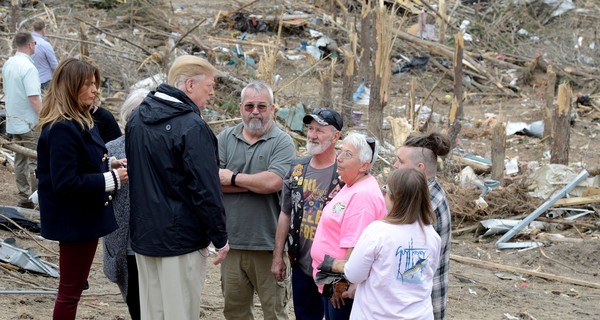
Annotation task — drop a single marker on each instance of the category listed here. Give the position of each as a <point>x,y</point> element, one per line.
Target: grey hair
<point>133,100</point>
<point>258,86</point>
<point>359,142</point>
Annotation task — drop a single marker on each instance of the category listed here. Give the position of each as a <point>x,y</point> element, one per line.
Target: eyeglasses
<point>328,116</point>
<point>347,155</point>
<point>249,107</point>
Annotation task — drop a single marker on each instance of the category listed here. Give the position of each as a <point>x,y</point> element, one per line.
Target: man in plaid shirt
<point>420,151</point>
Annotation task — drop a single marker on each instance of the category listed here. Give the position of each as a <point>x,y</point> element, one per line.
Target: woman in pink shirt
<point>358,203</point>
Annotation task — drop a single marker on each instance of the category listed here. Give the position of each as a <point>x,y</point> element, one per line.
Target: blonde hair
<point>187,67</point>
<point>61,101</point>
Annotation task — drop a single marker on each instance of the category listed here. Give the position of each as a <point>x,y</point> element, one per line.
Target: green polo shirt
<point>251,217</point>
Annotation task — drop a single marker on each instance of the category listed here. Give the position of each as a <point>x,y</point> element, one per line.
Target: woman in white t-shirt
<point>394,260</point>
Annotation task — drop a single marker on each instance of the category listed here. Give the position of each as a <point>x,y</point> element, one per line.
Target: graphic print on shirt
<point>411,262</point>
<point>314,201</point>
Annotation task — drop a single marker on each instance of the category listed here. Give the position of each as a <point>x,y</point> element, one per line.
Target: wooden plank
<point>567,202</point>
<point>498,147</point>
<point>493,266</point>
<point>477,166</point>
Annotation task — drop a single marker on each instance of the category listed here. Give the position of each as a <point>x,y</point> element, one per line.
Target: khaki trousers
<point>170,287</point>
<point>242,273</point>
<point>25,166</point>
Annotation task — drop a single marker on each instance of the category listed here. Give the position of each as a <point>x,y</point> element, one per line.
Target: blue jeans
<point>342,313</point>
<point>308,304</point>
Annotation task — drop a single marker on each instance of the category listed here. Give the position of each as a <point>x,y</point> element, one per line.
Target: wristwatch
<point>233,176</point>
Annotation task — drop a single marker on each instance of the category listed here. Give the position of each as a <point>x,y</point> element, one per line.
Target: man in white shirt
<point>23,105</point>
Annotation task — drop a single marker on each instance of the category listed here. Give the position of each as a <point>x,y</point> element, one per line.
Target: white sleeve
<point>358,266</point>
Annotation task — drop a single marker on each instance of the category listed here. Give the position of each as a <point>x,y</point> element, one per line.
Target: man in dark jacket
<point>175,193</point>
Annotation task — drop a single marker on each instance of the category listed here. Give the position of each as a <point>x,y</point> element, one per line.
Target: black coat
<point>70,166</point>
<point>107,125</point>
<point>175,193</point>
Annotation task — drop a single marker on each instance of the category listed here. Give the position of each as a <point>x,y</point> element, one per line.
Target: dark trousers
<point>133,289</point>
<point>342,313</point>
<point>308,304</point>
<point>75,261</point>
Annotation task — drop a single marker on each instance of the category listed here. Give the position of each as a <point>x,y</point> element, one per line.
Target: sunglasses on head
<point>327,115</point>
<point>372,143</point>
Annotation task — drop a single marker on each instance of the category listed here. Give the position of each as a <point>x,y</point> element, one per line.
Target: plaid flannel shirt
<point>439,203</point>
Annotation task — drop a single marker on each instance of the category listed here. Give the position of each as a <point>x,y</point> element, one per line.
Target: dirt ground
<point>475,292</point>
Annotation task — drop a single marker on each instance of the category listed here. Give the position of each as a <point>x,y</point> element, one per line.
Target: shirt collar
<point>22,54</point>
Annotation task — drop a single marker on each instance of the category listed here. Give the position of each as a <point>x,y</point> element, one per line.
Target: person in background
<point>76,182</point>
<point>176,205</point>
<point>44,58</point>
<point>23,103</point>
<point>395,259</point>
<point>309,185</point>
<point>119,259</point>
<point>358,203</point>
<point>254,156</point>
<point>420,151</point>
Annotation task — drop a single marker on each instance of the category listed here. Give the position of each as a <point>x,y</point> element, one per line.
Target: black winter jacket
<point>174,188</point>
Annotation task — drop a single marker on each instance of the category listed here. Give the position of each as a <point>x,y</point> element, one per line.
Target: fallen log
<point>568,202</point>
<point>17,148</point>
<point>548,276</point>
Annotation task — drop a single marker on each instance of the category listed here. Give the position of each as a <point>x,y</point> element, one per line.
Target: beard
<point>256,125</point>
<point>317,148</point>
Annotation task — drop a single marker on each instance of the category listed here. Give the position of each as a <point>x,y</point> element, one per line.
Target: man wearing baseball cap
<point>309,185</point>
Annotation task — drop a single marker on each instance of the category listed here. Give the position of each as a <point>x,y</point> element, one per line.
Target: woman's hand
<point>118,163</point>
<point>122,172</point>
<point>349,294</point>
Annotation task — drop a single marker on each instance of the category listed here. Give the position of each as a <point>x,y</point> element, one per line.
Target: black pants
<point>133,289</point>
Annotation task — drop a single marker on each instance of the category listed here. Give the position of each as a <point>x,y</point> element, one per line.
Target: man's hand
<point>225,177</point>
<point>336,301</point>
<point>221,254</point>
<point>278,268</point>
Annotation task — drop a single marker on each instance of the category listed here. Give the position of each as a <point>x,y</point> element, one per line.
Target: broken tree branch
<point>17,148</point>
<point>548,276</point>
<point>114,36</point>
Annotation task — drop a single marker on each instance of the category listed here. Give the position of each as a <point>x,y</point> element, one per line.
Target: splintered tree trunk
<point>548,118</point>
<point>326,77</point>
<point>410,107</point>
<point>560,129</point>
<point>441,21</point>
<point>498,148</point>
<point>376,104</point>
<point>83,46</point>
<point>15,10</point>
<point>458,73</point>
<point>381,72</point>
<point>348,79</point>
<point>367,26</point>
<point>456,110</point>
